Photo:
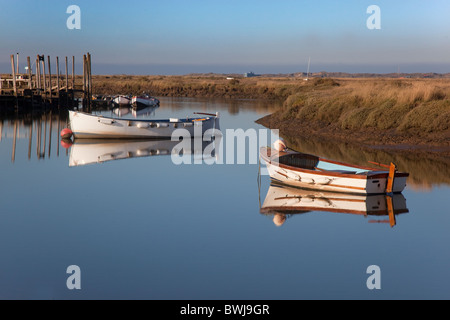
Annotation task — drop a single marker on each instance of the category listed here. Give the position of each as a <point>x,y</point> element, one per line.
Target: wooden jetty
<point>39,87</point>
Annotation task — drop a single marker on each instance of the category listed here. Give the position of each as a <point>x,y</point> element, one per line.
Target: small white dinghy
<point>89,126</point>
<point>312,172</point>
<point>144,101</point>
<point>122,100</point>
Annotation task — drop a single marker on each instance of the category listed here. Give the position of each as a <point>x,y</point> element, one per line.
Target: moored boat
<point>144,101</point>
<point>122,100</point>
<point>89,126</point>
<point>312,172</point>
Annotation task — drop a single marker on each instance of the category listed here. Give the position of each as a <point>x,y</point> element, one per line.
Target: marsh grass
<point>403,105</point>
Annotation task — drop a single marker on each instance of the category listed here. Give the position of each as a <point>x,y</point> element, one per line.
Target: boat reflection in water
<point>136,112</point>
<point>94,151</point>
<point>283,202</point>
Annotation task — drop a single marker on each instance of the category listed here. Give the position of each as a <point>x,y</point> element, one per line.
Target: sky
<point>233,36</point>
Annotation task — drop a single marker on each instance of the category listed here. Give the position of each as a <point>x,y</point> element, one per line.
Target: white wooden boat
<point>89,126</point>
<point>283,201</point>
<point>144,101</point>
<point>122,100</point>
<point>312,172</point>
<point>96,151</point>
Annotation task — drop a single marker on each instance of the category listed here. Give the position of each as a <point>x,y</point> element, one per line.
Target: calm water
<point>145,228</point>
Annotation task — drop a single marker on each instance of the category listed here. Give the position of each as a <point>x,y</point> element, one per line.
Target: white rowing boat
<point>89,126</point>
<point>144,101</point>
<point>284,201</point>
<point>122,100</point>
<point>312,172</point>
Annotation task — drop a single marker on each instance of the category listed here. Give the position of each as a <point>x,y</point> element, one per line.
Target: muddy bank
<point>368,138</point>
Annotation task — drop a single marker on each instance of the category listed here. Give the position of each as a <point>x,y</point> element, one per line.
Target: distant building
<point>250,75</point>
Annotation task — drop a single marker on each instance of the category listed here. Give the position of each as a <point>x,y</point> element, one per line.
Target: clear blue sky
<point>175,37</point>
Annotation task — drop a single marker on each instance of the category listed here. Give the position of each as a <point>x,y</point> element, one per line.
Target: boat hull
<point>121,100</point>
<point>360,181</point>
<point>144,102</point>
<point>87,126</point>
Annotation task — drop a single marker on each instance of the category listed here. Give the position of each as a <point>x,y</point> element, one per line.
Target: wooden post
<point>72,98</point>
<point>18,71</point>
<point>73,72</point>
<point>38,75</point>
<point>30,74</point>
<point>45,78</point>
<point>50,77</point>
<point>57,78</point>
<point>67,84</point>
<point>67,76</point>
<point>14,75</point>
<point>84,77</point>
<point>90,76</point>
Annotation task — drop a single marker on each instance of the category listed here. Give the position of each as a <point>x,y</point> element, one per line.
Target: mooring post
<point>38,75</point>
<point>73,72</point>
<point>45,76</point>
<point>90,78</point>
<point>57,80</point>
<point>17,64</point>
<point>50,77</point>
<point>84,77</point>
<point>73,81</point>
<point>30,74</point>
<point>67,83</point>
<point>14,75</point>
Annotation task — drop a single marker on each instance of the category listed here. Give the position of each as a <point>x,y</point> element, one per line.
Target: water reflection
<point>90,151</point>
<point>40,132</point>
<point>427,169</point>
<point>125,111</point>
<point>283,202</point>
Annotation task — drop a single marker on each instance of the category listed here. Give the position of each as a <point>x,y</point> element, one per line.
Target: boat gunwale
<point>180,120</point>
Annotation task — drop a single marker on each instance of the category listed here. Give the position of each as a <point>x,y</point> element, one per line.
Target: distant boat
<point>144,101</point>
<point>122,100</point>
<point>283,201</point>
<point>89,126</point>
<point>312,172</point>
